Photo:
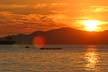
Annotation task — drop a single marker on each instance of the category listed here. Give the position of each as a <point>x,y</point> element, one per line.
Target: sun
<point>91,25</point>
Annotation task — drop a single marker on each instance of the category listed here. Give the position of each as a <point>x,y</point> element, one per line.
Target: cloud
<point>100,8</point>
<point>28,1</point>
<point>11,23</point>
<point>39,8</point>
<point>27,18</point>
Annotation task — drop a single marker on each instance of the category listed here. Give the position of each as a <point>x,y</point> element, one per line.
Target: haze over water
<point>79,59</point>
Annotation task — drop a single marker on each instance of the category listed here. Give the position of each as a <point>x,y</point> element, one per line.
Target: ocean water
<point>76,59</point>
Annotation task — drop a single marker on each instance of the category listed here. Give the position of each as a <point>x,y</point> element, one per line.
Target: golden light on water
<point>91,25</point>
<point>91,57</point>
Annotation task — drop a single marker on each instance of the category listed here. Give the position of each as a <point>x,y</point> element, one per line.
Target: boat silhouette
<point>50,48</point>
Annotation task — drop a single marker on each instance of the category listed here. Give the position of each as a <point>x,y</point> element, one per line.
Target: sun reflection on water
<point>91,57</point>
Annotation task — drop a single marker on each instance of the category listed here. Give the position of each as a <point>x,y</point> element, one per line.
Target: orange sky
<point>26,16</point>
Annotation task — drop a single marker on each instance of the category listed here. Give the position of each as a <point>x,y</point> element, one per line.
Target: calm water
<point>86,59</point>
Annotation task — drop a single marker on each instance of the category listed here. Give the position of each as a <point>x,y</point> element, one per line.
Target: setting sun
<point>91,25</point>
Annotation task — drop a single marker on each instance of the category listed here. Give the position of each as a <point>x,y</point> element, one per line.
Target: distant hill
<point>60,36</point>
<point>73,36</point>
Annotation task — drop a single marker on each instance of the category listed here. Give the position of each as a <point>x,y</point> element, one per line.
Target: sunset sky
<point>27,16</point>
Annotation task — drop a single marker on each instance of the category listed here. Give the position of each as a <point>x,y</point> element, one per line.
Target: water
<point>86,59</point>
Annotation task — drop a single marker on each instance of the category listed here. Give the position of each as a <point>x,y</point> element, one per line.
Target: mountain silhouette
<point>62,36</point>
